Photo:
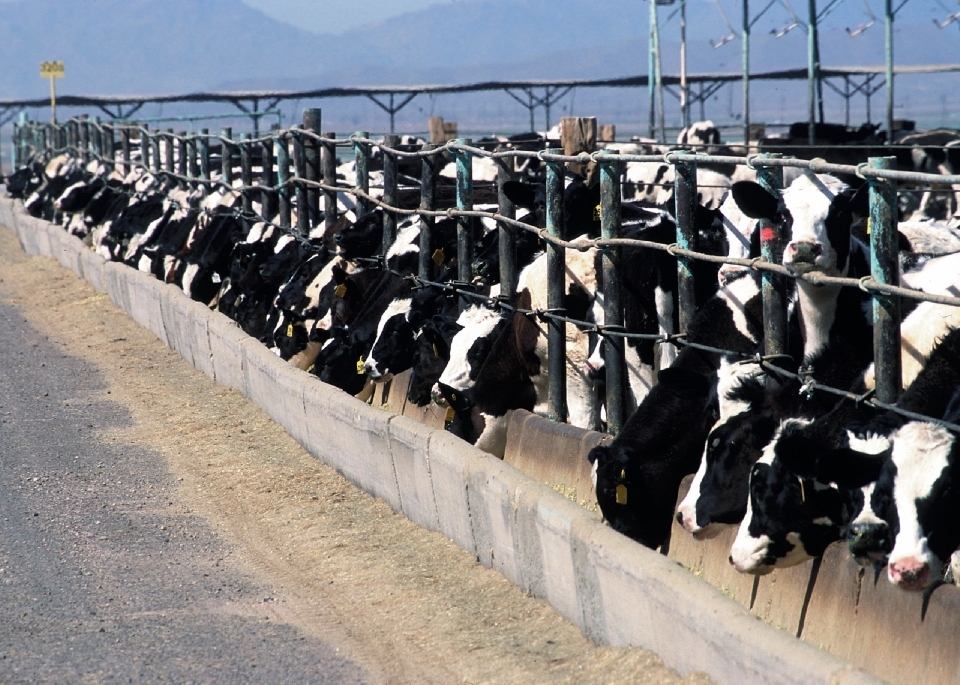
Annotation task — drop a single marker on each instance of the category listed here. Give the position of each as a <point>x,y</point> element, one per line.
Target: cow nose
<point>868,542</point>
<point>804,251</point>
<point>592,368</point>
<point>909,574</point>
<point>437,396</point>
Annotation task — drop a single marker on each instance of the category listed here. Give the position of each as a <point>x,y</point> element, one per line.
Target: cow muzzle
<point>802,256</point>
<point>869,543</point>
<point>910,574</point>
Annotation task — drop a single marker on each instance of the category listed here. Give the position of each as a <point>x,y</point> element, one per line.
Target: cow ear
<point>754,201</point>
<point>520,194</point>
<point>599,455</point>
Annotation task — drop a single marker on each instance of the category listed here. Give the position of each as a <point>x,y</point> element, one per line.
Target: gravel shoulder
<point>336,564</point>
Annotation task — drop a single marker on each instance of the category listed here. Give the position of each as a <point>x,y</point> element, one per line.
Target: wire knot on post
<point>807,381</point>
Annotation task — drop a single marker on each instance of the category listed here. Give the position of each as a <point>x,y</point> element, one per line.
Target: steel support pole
<point>300,170</point>
<point>361,155</point>
<point>884,261</point>
<point>614,363</point>
<point>428,202</point>
<point>507,240</point>
<point>389,192</point>
<point>556,263</point>
<point>773,287</point>
<point>888,52</point>
<point>328,164</point>
<point>812,69</point>
<point>311,124</point>
<point>226,157</point>
<point>283,176</point>
<point>685,193</point>
<point>745,35</point>
<point>464,162</point>
<point>246,175</point>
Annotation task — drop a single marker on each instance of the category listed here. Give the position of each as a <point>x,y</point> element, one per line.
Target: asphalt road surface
<point>155,527</point>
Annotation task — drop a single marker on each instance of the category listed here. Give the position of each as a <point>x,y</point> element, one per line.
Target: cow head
<point>818,213</point>
<point>364,238</point>
<point>720,489</point>
<point>921,482</point>
<point>789,518</point>
<point>469,348</point>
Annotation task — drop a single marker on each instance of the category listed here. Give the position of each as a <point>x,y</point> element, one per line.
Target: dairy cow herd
<point>793,466</point>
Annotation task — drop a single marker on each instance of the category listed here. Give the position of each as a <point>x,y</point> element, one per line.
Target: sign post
<point>52,71</point>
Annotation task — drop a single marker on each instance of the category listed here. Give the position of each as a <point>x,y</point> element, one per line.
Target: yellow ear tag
<point>621,494</point>
<point>438,257</point>
<point>868,225</point>
<point>341,290</point>
<point>450,414</point>
<point>289,330</point>
<point>360,366</point>
<point>596,213</point>
<point>436,352</point>
<point>803,494</point>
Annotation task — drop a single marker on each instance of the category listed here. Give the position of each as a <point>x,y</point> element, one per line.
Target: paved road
<point>105,575</point>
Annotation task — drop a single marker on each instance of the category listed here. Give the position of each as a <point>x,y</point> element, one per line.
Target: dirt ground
<point>404,602</point>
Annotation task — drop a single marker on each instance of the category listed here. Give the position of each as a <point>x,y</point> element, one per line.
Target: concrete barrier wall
<point>618,592</point>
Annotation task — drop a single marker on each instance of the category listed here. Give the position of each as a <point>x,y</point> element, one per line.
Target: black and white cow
<point>663,439</point>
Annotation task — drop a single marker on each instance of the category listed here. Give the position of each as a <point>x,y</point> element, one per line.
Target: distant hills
<point>170,46</point>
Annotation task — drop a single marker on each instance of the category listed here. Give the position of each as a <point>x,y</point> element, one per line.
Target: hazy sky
<point>337,16</point>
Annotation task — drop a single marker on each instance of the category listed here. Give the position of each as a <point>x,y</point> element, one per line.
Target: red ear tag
<point>767,235</point>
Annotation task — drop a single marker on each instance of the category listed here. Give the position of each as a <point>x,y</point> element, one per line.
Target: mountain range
<point>178,46</point>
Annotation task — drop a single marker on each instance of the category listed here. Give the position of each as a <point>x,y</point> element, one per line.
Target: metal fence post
<point>15,144</point>
<point>773,287</point>
<point>389,192</point>
<point>361,152</point>
<point>556,266</point>
<point>268,196</point>
<point>125,149</point>
<point>464,161</point>
<point>283,176</point>
<point>685,193</point>
<point>108,142</point>
<point>507,238</point>
<point>155,159</point>
<point>226,157</point>
<point>96,138</point>
<point>182,154</point>
<point>145,148</point>
<point>193,164</point>
<point>203,151</point>
<point>328,166</point>
<point>311,123</point>
<point>168,159</point>
<point>610,171</point>
<point>300,172</point>
<point>84,141</point>
<point>246,175</point>
<point>884,260</point>
<point>428,203</point>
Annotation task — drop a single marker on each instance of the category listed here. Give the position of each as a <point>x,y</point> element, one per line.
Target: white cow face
<point>469,349</point>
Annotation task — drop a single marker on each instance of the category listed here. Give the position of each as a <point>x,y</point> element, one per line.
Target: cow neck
<point>817,307</point>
